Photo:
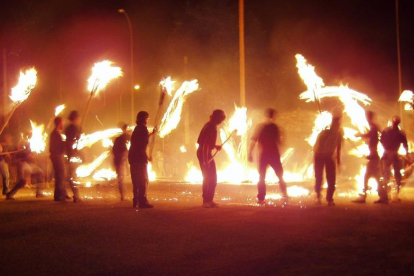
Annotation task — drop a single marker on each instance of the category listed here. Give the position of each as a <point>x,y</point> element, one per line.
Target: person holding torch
<point>138,161</point>
<point>206,144</point>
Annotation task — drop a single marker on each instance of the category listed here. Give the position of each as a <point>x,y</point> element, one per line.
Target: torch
<point>102,74</point>
<point>21,92</point>
<point>160,103</point>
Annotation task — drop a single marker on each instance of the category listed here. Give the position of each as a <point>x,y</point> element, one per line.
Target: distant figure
<point>57,151</point>
<point>138,160</point>
<point>120,152</point>
<point>206,143</point>
<point>267,136</point>
<point>72,133</point>
<point>391,139</point>
<point>26,167</point>
<point>5,146</point>
<point>328,148</point>
<point>373,165</point>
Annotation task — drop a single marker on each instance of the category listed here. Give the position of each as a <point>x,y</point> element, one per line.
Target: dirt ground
<point>103,236</point>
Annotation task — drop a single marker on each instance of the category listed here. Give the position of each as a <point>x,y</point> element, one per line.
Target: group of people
<point>327,156</point>
<point>267,135</point>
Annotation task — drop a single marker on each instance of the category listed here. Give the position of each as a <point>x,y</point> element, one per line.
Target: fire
<point>87,169</point>
<point>168,84</point>
<point>59,109</point>
<point>407,96</point>
<point>173,114</point>
<point>152,176</point>
<point>239,121</point>
<point>107,143</point>
<point>90,139</point>
<point>183,149</point>
<point>104,174</point>
<point>27,82</point>
<point>372,183</point>
<point>38,139</point>
<point>102,73</point>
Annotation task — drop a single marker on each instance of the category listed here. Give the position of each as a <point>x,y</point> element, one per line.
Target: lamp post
<point>131,38</point>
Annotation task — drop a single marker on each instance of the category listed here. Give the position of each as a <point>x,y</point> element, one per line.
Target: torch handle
<point>225,141</point>
<point>6,122</point>
<point>157,117</point>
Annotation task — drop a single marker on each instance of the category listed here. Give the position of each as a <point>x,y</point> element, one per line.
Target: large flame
<point>239,121</point>
<point>407,97</point>
<point>59,109</point>
<point>168,84</point>
<point>87,169</point>
<point>104,174</point>
<point>27,82</point>
<point>173,114</point>
<point>102,73</point>
<point>38,139</point>
<point>90,139</point>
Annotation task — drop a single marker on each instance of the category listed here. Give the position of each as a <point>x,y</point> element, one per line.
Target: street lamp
<point>131,38</point>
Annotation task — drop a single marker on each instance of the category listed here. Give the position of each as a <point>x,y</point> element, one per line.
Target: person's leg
<point>383,186</point>
<point>24,172</point>
<point>261,185</point>
<point>135,178</point>
<point>38,173</point>
<point>71,176</point>
<point>206,180</point>
<point>120,172</point>
<point>142,184</point>
<point>318,167</point>
<point>276,164</point>
<point>397,166</point>
<point>330,178</point>
<point>59,171</point>
<point>4,170</point>
<point>212,181</point>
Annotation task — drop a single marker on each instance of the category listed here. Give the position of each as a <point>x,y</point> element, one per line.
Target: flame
<point>168,84</point>
<point>38,139</point>
<point>406,96</point>
<point>239,121</point>
<point>173,114</point>
<point>27,82</point>
<point>87,169</point>
<point>322,121</point>
<point>59,109</point>
<point>90,139</point>
<point>372,183</point>
<point>102,73</point>
<point>183,149</point>
<point>152,176</point>
<point>104,174</point>
<point>107,143</point>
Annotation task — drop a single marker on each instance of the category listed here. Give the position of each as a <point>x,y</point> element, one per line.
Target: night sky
<point>351,42</point>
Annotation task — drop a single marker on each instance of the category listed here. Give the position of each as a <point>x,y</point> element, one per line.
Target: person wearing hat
<point>327,150</point>
<point>120,153</point>
<point>72,133</point>
<point>391,139</point>
<point>206,144</point>
<point>138,160</point>
<point>267,136</point>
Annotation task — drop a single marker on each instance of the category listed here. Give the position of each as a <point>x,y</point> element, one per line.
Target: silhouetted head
<point>142,118</point>
<point>58,122</point>
<point>370,115</point>
<point>218,116</point>
<point>270,113</point>
<point>124,127</point>
<point>73,116</point>
<point>396,121</point>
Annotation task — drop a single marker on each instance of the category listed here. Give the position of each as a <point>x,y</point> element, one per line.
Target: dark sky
<point>348,41</point>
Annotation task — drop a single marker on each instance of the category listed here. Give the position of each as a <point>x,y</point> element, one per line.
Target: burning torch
<point>102,73</point>
<point>21,92</point>
<point>157,116</point>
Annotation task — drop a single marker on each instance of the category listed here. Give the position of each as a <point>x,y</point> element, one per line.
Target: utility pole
<point>397,19</point>
<point>242,57</point>
<point>5,84</point>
